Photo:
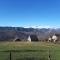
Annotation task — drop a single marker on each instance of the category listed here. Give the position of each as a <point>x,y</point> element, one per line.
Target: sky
<point>43,13</point>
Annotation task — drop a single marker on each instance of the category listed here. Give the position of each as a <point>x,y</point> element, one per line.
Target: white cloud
<point>37,26</point>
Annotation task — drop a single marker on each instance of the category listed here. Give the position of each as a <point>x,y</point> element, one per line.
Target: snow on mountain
<point>37,26</point>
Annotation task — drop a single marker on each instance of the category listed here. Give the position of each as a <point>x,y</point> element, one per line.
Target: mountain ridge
<point>10,33</point>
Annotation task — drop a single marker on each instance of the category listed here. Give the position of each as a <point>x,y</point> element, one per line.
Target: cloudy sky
<point>43,13</point>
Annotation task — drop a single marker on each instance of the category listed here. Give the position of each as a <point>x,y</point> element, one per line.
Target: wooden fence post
<point>49,55</point>
<point>10,56</point>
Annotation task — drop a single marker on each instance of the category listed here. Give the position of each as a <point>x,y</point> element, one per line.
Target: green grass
<point>29,51</point>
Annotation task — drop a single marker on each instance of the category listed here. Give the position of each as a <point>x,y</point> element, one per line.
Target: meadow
<point>29,51</point>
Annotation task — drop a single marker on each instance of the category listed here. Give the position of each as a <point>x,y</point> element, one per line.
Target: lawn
<point>29,51</point>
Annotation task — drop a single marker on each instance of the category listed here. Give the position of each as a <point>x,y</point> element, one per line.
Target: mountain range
<point>10,33</point>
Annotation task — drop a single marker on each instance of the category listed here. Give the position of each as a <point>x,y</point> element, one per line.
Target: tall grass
<point>29,50</point>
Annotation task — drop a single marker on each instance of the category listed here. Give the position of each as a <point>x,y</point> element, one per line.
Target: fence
<point>29,55</point>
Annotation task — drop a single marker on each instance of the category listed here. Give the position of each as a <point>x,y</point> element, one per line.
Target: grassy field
<point>29,51</point>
